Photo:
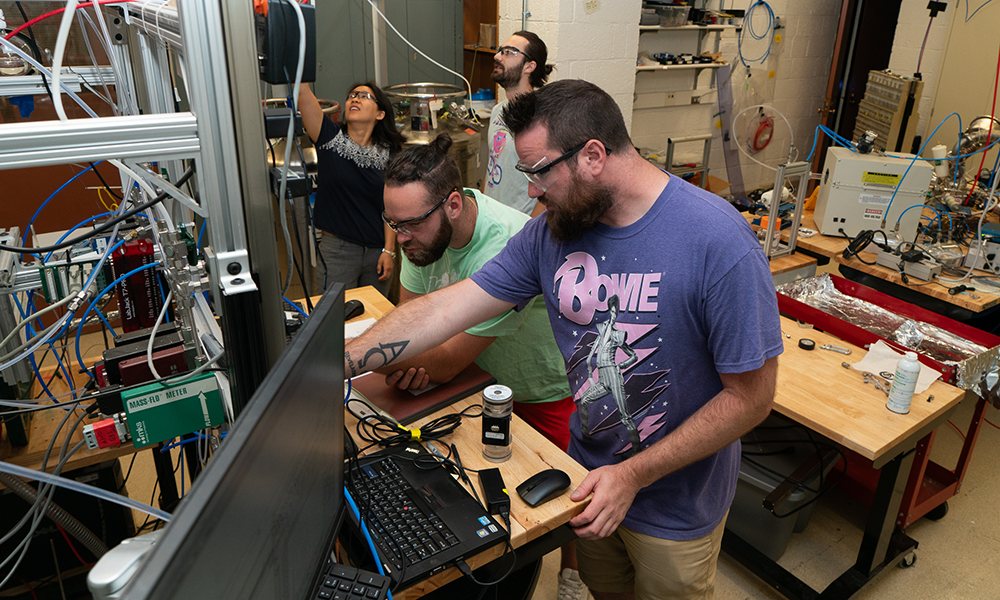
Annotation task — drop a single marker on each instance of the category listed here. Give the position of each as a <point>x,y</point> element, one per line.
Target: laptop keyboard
<point>396,522</point>
<point>341,582</point>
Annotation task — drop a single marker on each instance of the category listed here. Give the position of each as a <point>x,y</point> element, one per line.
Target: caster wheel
<point>938,512</point>
<point>908,560</point>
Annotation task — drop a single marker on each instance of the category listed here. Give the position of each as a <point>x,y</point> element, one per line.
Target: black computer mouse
<point>353,308</point>
<point>544,486</point>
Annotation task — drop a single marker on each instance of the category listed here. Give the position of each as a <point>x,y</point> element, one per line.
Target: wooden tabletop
<point>816,391</point>
<point>532,453</point>
<point>824,245</point>
<point>376,305</point>
<point>791,262</point>
<point>43,427</point>
<point>986,296</point>
<point>833,246</point>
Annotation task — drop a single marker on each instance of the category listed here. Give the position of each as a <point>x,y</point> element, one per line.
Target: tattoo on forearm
<point>388,353</point>
<point>350,364</point>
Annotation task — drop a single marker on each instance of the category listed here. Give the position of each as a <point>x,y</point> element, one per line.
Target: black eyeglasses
<point>401,226</point>
<point>512,51</point>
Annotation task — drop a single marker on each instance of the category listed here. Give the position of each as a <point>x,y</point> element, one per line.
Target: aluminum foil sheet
<point>972,361</point>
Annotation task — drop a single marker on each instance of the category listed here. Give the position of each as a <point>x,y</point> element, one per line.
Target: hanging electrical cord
<point>920,59</point>
<point>421,52</point>
<point>791,134</point>
<point>288,143</point>
<point>748,26</point>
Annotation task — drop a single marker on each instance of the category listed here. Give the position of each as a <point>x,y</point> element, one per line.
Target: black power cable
<point>859,243</point>
<point>106,226</point>
<point>93,168</point>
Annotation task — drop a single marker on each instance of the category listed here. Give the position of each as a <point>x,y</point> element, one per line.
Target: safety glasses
<point>406,226</point>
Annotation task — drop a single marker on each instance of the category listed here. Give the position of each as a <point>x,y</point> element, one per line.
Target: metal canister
<point>498,404</point>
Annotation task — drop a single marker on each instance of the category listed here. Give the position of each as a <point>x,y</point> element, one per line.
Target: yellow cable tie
<point>414,433</point>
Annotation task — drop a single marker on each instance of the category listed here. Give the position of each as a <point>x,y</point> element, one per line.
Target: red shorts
<point>550,419</point>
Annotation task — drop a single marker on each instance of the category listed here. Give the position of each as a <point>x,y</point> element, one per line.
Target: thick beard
<point>509,77</point>
<point>582,209</point>
<point>435,250</point>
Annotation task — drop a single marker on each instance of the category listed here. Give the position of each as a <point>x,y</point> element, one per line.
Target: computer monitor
<point>260,517</point>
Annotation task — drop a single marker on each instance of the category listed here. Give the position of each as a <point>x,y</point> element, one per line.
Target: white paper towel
<point>881,357</point>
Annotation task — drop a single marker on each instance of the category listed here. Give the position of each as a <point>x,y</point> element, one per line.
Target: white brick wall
<point>602,47</point>
<point>801,65</point>
<point>598,46</point>
<point>910,30</point>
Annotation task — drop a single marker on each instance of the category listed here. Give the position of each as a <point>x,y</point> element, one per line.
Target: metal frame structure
<point>773,246</point>
<point>702,167</point>
<point>222,133</point>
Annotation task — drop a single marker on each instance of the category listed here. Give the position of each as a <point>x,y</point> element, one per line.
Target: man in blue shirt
<point>697,306</point>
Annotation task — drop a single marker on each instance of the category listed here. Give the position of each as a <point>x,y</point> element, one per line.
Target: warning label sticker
<point>889,180</point>
<point>876,199</point>
<point>873,213</point>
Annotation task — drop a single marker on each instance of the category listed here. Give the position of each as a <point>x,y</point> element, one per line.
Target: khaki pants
<point>653,568</point>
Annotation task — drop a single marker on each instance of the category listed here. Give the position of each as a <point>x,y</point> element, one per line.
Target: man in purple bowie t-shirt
<point>663,307</point>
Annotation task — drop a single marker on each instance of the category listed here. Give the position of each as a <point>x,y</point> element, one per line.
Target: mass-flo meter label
<point>169,395</point>
<point>880,179</point>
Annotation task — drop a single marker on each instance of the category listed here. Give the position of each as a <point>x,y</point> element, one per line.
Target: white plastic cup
<point>940,152</point>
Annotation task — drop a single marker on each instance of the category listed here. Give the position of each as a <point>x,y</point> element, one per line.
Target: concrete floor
<point>957,556</point>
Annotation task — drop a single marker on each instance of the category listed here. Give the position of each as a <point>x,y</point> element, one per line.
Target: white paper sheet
<point>881,357</point>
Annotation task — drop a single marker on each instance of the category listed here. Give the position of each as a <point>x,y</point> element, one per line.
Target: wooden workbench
<point>815,390</point>
<point>532,453</point>
<point>833,247</point>
<point>43,426</point>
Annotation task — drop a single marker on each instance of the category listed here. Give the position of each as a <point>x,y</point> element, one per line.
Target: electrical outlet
<point>695,99</point>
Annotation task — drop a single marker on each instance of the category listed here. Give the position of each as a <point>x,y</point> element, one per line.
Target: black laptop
<point>421,520</point>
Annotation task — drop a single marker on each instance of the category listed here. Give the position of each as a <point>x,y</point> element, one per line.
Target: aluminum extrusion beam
<point>29,85</point>
<point>158,20</point>
<point>258,204</point>
<point>208,85</point>
<point>140,138</point>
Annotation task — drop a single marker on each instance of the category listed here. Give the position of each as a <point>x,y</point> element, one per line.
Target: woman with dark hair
<point>357,247</point>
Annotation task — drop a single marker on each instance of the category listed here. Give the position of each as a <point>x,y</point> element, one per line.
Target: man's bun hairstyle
<point>429,164</point>
<point>539,53</point>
